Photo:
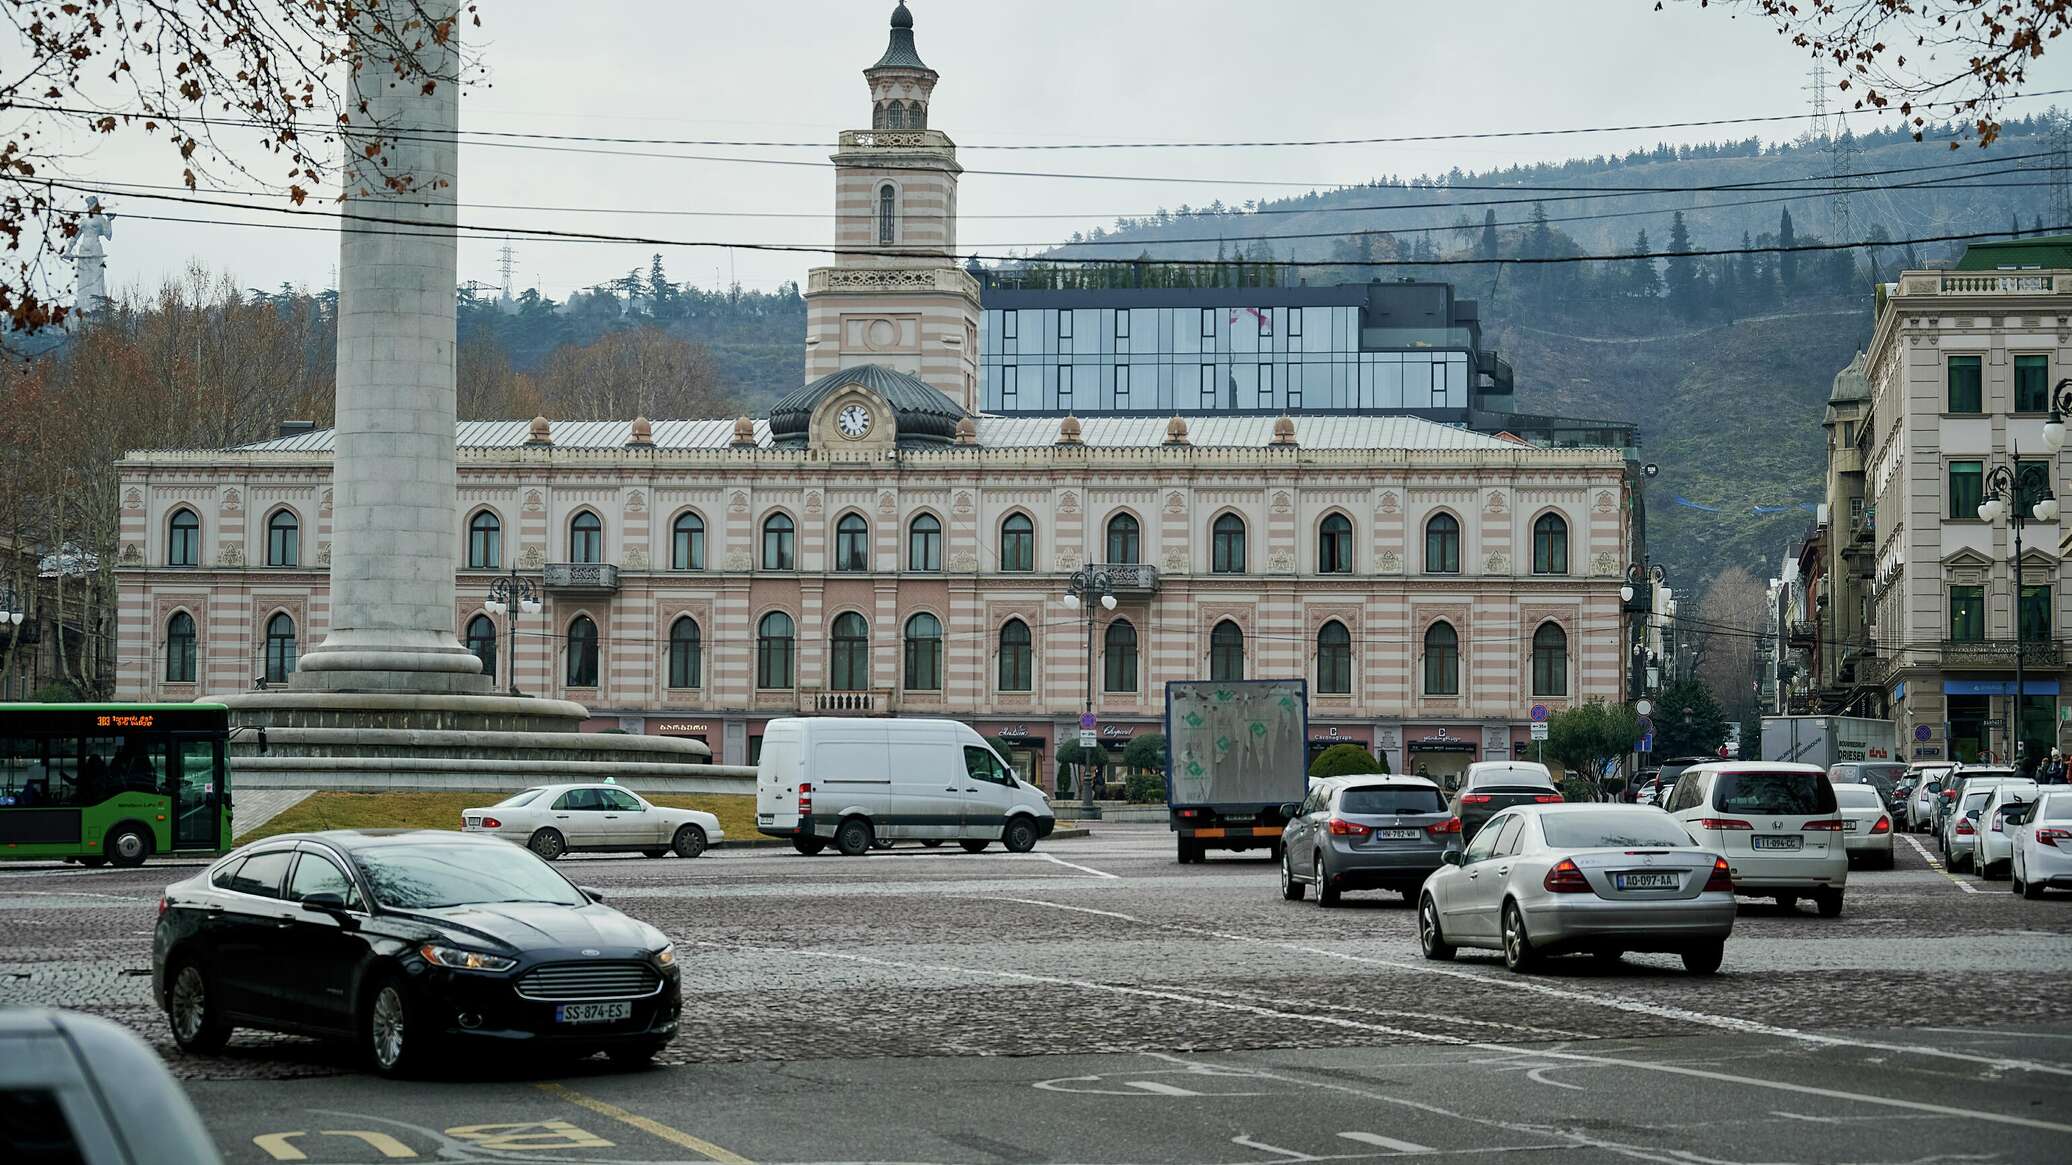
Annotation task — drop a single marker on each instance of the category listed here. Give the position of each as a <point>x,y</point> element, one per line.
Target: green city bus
<point>96,783</point>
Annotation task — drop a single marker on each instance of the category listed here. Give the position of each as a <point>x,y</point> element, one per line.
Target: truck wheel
<point>128,844</point>
<point>853,837</point>
<point>1020,836</point>
<point>1190,851</point>
<point>973,846</point>
<point>807,844</point>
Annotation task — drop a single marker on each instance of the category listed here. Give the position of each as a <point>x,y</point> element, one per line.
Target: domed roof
<point>1850,383</point>
<point>900,52</point>
<point>901,18</point>
<point>920,410</point>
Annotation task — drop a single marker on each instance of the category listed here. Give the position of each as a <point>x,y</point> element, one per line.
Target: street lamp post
<point>2004,496</point>
<point>510,595</point>
<point>11,616</point>
<point>1088,585</point>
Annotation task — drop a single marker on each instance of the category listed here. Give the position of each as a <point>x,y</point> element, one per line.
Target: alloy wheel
<point>190,1004</point>
<point>387,1027</point>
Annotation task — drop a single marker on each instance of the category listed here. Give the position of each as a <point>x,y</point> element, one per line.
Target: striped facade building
<point>878,545</point>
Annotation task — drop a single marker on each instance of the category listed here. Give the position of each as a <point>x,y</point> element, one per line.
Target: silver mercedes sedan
<point>1604,879</point>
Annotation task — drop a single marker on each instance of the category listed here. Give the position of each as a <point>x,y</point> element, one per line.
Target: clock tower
<point>895,295</point>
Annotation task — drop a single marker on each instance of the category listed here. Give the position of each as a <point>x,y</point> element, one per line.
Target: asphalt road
<point>1096,1002</point>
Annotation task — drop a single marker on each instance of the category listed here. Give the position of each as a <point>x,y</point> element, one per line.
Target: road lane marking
<point>528,1136</point>
<point>1514,983</point>
<point>1245,1139</point>
<point>1381,1142</point>
<point>381,1143</point>
<point>1429,1037</point>
<point>651,1127</point>
<point>1537,1077</point>
<point>1935,863</point>
<point>1055,860</point>
<point>278,1146</point>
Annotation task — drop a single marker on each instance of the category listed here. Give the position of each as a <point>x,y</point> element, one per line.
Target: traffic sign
<point>1647,743</point>
<point>1539,730</point>
<point>1086,721</point>
<point>1921,733</point>
<point>1086,738</point>
<point>1539,713</point>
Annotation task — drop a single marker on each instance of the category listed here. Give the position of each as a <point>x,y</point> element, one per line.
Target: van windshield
<point>1783,794</point>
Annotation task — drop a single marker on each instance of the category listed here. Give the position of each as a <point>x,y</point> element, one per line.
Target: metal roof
<point>1243,432</point>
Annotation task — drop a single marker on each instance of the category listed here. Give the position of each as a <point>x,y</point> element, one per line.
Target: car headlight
<point>461,960</point>
<point>666,957</point>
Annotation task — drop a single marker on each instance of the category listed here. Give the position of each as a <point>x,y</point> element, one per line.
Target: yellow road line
<point>653,1128</point>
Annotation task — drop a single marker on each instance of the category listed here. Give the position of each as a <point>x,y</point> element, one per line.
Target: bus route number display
<point>134,721</point>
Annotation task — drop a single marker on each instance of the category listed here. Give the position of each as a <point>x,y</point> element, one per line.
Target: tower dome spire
<point>900,52</point>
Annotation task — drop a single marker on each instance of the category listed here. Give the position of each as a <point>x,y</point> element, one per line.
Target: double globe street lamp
<point>1088,585</point>
<point>2003,496</point>
<point>512,595</point>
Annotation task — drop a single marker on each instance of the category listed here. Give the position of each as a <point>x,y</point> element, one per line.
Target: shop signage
<point>668,726</point>
<point>1331,734</point>
<point>1440,740</point>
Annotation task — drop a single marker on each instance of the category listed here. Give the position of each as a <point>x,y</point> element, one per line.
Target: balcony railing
<point>1998,283</point>
<point>863,702</point>
<point>1129,578</point>
<point>591,578</point>
<point>1801,633</point>
<point>1999,653</point>
<point>912,139</point>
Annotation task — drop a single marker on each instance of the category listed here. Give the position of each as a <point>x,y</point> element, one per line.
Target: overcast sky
<point>1013,72</point>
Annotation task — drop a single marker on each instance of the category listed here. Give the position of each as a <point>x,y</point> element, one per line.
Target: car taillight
<point>164,903</point>
<point>1340,827</point>
<point>1884,825</point>
<point>1722,877</point>
<point>1964,828</point>
<point>491,823</point>
<point>1190,812</point>
<point>1474,799</point>
<point>1547,799</point>
<point>1723,823</point>
<point>2051,837</point>
<point>1450,825</point>
<point>1565,878</point>
<point>805,800</point>
<point>1999,823</point>
<point>1831,825</point>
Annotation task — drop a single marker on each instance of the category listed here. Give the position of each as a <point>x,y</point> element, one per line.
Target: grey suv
<point>1365,833</point>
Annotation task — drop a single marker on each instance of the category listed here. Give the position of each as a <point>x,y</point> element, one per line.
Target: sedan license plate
<point>592,1012</point>
<point>1848,827</point>
<point>472,823</point>
<point>1655,881</point>
<point>1399,834</point>
<point>1775,841</point>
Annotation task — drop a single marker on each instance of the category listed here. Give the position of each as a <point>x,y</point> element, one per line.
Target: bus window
<point>120,764</point>
<point>196,796</point>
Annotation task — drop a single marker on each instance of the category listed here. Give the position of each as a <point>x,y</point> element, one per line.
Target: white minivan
<point>852,782</point>
<point>1778,826</point>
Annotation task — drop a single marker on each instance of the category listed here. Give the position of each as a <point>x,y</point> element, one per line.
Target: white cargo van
<point>851,782</point>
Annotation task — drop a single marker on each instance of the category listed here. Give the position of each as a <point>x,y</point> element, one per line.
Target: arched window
<point>1227,539</point>
<point>1018,543</point>
<point>481,639</point>
<point>878,116</point>
<point>1550,545</point>
<point>1226,652</point>
<point>924,544</point>
<point>685,654</point>
<point>895,115</point>
<point>1123,541</point>
<point>183,543</point>
<point>917,115</point>
<point>1550,661</point>
<point>774,651</point>
<point>1017,658</point>
<point>687,543</point>
<point>179,648</point>
<point>778,540</point>
<point>1120,657</point>
<point>485,541</point>
<point>280,648</point>
<point>849,654</point>
<point>1334,659</point>
<point>1442,545</point>
<point>582,653</point>
<point>1335,545</point>
<point>283,539</point>
<point>585,538</point>
<point>1441,660</point>
<point>885,197</point>
<point>924,653</point>
<point>852,543</point>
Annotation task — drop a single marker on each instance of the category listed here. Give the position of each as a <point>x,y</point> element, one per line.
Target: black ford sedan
<point>409,943</point>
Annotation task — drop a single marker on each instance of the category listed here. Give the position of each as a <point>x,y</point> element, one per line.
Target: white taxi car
<point>552,820</point>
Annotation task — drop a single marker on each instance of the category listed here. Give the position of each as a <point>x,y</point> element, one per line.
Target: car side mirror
<point>592,893</point>
<point>1450,857</point>
<point>1290,809</point>
<point>324,903</point>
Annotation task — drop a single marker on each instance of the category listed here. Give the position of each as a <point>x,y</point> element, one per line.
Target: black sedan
<point>407,943</point>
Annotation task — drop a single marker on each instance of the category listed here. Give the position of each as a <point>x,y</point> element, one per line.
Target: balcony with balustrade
<point>1999,654</point>
<point>581,578</point>
<point>843,702</point>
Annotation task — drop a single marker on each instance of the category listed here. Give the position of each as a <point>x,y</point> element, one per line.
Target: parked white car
<point>1995,849</point>
<point>552,820</point>
<point>1960,828</point>
<point>1866,824</point>
<point>2043,845</point>
<point>1928,786</point>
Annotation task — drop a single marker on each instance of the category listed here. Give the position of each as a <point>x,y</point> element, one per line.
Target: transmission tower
<point>1841,161</point>
<point>506,261</point>
<point>1816,85</point>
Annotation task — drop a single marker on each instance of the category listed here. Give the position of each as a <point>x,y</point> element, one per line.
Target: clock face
<point>854,421</point>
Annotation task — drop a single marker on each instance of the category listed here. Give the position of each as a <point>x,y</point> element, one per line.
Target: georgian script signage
<point>668,726</point>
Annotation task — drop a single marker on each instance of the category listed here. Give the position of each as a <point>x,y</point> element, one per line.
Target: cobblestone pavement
<point>1105,946</point>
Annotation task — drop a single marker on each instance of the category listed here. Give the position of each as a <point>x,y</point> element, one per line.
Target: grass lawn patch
<point>736,812</point>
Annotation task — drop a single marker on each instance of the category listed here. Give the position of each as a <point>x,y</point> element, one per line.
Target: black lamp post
<point>509,595</point>
<point>1088,585</point>
<point>2004,496</point>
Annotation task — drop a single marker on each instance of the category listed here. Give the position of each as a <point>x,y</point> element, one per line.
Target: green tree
<point>1590,738</point>
<point>1488,248</point>
<point>1145,752</point>
<point>1700,733</point>
<point>1787,261</point>
<point>1345,760</point>
<point>1682,276</point>
<point>1000,746</point>
<point>1646,281</point>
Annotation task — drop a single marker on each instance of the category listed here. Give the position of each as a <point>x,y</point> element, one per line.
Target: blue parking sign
<point>1647,743</point>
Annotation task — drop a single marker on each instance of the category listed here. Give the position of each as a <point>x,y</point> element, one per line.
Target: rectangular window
<point>1122,386</point>
<point>1294,329</point>
<point>1009,382</point>
<point>1266,386</point>
<point>1967,613</point>
<point>2035,619</point>
<point>2031,384</point>
<point>1208,386</point>
<point>1967,488</point>
<point>1965,379</point>
<point>1122,329</point>
<point>1208,326</point>
<point>1065,383</point>
<point>1007,324</point>
<point>1065,331</point>
<point>1295,384</point>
